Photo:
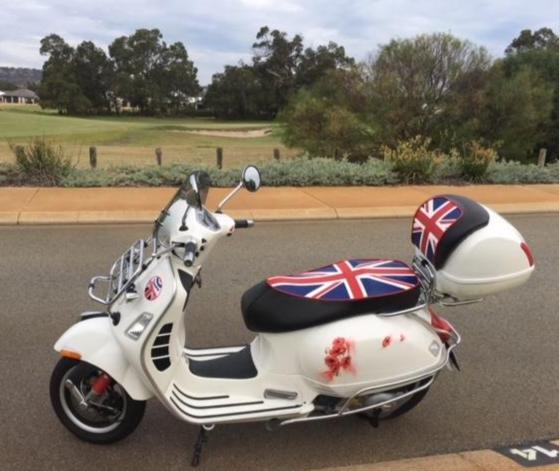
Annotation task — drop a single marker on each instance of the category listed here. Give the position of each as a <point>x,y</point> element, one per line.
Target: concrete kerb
<point>128,205</point>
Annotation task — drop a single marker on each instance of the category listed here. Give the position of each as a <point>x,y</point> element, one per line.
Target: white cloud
<point>219,32</point>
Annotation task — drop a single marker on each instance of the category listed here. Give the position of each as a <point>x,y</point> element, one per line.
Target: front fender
<point>94,341</point>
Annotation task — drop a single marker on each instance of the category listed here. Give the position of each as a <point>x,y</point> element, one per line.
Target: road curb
<point>295,214</point>
<point>142,205</point>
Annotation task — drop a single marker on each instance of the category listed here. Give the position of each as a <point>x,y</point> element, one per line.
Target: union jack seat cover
<point>431,222</point>
<point>349,280</point>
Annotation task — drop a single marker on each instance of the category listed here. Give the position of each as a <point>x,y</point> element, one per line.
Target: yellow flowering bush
<point>476,160</point>
<point>413,161</point>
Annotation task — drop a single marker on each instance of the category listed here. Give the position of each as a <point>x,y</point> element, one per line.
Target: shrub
<point>449,168</point>
<point>413,161</point>
<point>42,162</point>
<point>327,172</point>
<point>476,160</point>
<point>296,172</point>
<point>516,172</point>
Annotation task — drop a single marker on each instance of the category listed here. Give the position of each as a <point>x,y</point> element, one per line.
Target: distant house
<point>22,96</point>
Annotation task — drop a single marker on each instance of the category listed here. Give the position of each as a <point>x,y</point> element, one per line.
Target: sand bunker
<point>248,134</point>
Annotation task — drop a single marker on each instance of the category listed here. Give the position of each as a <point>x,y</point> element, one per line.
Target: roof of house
<point>21,93</point>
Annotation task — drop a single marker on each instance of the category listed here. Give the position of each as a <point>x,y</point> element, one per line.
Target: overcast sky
<point>219,32</point>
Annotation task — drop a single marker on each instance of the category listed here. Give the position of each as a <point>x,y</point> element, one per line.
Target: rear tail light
<point>526,248</point>
<point>441,326</point>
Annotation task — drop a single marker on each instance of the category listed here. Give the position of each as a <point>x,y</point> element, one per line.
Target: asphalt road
<point>508,390</point>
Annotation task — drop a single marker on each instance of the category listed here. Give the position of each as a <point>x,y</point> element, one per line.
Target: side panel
<point>367,351</point>
<point>93,339</point>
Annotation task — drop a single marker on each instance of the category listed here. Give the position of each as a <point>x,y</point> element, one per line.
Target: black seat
<point>327,294</point>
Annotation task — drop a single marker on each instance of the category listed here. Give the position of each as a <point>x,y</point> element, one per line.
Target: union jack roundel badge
<point>153,288</point>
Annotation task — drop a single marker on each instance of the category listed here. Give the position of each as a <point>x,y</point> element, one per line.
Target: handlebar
<point>189,253</point>
<point>243,223</point>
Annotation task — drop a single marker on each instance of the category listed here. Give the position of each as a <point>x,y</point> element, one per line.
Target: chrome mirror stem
<point>228,197</point>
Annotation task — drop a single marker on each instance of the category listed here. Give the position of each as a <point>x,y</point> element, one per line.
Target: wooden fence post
<point>219,157</point>
<point>541,157</point>
<point>277,154</point>
<point>158,156</point>
<point>93,157</point>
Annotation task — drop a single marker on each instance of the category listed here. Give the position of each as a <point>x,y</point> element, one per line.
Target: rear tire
<point>114,416</point>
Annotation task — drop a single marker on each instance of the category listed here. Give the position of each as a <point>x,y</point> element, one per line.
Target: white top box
<point>474,250</point>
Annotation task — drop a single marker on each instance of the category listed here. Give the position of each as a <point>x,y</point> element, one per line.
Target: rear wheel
<point>91,405</point>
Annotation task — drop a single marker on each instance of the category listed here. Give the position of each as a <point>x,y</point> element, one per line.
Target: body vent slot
<point>160,348</point>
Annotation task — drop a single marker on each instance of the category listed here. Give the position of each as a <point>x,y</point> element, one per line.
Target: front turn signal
<point>70,354</point>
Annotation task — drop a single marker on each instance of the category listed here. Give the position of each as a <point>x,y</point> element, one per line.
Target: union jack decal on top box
<point>432,220</point>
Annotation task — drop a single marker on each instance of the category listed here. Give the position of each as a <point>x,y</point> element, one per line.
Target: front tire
<point>106,418</point>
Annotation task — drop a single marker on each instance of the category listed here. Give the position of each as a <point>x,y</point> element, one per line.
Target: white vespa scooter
<point>354,337</point>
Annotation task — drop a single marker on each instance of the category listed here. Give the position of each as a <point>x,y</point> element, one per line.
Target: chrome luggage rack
<point>122,274</point>
<point>427,275</point>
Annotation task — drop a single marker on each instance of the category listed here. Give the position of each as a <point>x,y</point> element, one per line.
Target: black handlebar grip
<point>189,254</point>
<point>243,223</point>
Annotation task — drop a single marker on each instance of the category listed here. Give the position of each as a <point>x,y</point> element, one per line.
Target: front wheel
<point>91,405</point>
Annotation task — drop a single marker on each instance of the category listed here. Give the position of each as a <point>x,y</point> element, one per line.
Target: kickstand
<point>374,418</point>
<point>200,441</point>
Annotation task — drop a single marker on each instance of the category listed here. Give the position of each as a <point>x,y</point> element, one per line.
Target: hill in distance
<point>20,76</point>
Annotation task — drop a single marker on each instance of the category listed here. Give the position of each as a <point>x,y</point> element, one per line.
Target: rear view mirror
<point>251,178</point>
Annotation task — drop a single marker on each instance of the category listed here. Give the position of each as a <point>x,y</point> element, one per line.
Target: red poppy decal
<point>338,358</point>
<point>387,341</point>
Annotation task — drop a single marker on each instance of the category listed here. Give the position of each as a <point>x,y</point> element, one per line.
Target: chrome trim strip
<point>219,406</point>
<point>232,414</point>
<point>206,398</point>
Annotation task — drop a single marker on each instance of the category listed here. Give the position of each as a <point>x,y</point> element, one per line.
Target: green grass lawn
<point>131,140</point>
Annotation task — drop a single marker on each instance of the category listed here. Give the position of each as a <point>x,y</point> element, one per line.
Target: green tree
<point>276,58</point>
<point>430,86</point>
<point>151,75</point>
<point>315,63</point>
<point>94,74</point>
<point>280,67</point>
<point>178,78</point>
<point>539,53</point>
<point>543,38</point>
<point>236,94</point>
<point>59,88</point>
<point>517,112</point>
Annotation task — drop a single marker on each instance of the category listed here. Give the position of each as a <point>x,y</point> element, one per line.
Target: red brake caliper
<point>101,384</point>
